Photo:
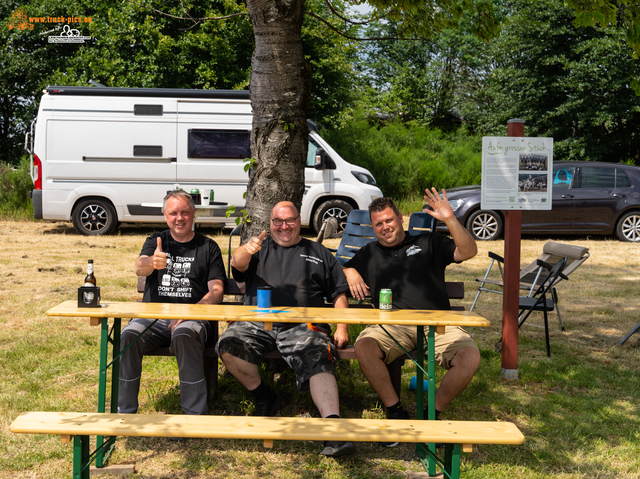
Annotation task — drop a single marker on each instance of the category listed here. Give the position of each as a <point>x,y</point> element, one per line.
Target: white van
<point>102,156</point>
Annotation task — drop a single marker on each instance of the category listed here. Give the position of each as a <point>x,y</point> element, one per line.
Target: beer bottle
<point>90,279</point>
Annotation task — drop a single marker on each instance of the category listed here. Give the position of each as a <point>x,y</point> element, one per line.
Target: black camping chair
<point>357,233</point>
<point>542,299</point>
<point>421,222</point>
<point>532,274</point>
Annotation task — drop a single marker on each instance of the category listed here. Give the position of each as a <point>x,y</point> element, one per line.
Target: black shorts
<point>307,350</point>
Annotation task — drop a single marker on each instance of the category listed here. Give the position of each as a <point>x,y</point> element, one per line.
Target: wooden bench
<point>455,435</point>
<point>233,294</point>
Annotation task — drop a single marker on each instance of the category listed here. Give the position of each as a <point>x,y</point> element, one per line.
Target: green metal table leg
<point>431,372</point>
<point>81,457</point>
<point>426,459</point>
<point>431,393</point>
<point>452,460</point>
<point>419,375</point>
<point>102,380</point>
<point>115,367</point>
<point>105,339</point>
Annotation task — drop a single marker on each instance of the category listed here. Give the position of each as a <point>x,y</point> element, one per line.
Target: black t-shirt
<point>413,270</point>
<point>190,267</point>
<point>299,275</point>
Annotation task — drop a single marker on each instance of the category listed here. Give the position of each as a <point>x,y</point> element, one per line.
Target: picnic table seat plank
<point>269,428</point>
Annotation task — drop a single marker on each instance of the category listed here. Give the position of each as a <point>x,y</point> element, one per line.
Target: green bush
<point>406,158</point>
<point>15,184</point>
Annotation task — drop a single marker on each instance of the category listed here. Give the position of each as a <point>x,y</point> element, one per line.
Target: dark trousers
<point>187,342</point>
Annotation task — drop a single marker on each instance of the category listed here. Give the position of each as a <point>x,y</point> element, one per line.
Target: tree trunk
<point>280,88</point>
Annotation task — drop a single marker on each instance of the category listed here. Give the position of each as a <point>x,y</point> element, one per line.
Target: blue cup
<point>264,297</point>
<point>413,384</point>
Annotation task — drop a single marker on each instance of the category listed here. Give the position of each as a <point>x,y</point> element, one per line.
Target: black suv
<point>588,198</point>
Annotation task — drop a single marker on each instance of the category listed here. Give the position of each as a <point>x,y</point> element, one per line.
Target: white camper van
<point>102,156</point>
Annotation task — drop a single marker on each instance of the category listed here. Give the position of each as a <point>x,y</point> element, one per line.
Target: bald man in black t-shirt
<point>300,273</point>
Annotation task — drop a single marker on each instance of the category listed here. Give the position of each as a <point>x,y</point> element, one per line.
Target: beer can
<point>386,299</point>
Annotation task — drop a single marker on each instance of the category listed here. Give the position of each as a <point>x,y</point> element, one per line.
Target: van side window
<point>219,144</point>
<point>311,154</point>
<point>147,110</point>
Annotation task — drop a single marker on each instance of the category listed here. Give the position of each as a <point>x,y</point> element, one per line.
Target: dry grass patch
<point>579,410</point>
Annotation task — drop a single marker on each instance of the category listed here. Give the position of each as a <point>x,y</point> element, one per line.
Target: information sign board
<point>516,173</point>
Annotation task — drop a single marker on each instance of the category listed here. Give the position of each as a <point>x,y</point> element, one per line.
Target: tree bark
<point>280,89</point>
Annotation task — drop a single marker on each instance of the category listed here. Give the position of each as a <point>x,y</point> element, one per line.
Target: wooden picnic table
<point>436,321</point>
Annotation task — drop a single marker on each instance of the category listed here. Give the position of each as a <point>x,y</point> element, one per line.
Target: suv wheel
<point>485,225</point>
<point>94,217</point>
<point>338,209</point>
<point>628,227</point>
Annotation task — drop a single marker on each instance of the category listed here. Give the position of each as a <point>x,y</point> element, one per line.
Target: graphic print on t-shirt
<point>311,259</point>
<point>174,283</point>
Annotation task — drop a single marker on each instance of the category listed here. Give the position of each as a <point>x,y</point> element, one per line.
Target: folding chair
<point>357,233</point>
<point>530,276</point>
<point>634,330</point>
<point>234,232</point>
<point>539,300</point>
<point>421,222</point>
<point>328,229</point>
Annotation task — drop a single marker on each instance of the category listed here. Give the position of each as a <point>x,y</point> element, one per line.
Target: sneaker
<point>402,414</point>
<point>338,448</point>
<point>270,407</point>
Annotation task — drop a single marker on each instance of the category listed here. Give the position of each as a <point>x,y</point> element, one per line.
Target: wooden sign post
<point>511,290</point>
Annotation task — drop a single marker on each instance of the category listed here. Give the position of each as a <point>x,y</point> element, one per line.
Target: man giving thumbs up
<point>300,273</point>
<point>180,266</point>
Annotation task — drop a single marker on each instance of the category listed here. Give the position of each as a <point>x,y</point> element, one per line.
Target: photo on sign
<point>532,182</point>
<point>533,162</point>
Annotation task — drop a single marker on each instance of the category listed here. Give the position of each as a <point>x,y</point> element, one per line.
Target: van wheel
<point>333,208</point>
<point>485,225</point>
<point>94,217</point>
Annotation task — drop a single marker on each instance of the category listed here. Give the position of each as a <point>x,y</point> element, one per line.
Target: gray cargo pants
<point>188,344</point>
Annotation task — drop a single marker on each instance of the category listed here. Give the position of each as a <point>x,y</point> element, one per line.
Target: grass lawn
<point>578,409</point>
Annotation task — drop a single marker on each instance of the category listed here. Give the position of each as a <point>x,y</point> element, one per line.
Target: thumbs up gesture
<point>159,257</point>
<point>255,243</point>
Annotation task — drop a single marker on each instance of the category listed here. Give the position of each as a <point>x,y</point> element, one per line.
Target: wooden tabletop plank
<point>249,427</point>
<point>226,312</point>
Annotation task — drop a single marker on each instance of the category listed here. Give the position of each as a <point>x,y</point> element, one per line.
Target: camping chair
<point>357,233</point>
<point>328,229</point>
<point>233,288</point>
<point>539,300</point>
<point>634,330</point>
<point>234,232</point>
<point>421,222</point>
<point>530,276</point>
